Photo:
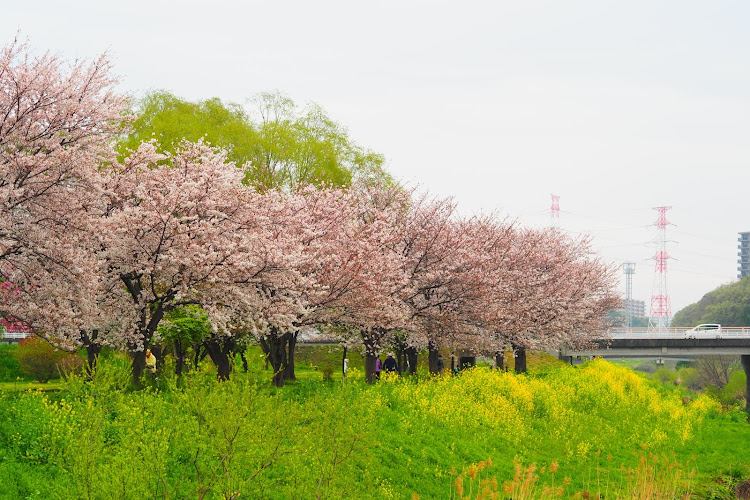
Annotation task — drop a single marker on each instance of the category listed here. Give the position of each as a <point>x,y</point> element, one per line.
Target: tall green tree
<point>277,144</point>
<point>168,120</point>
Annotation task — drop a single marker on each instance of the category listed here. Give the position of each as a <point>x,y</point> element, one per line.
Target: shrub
<point>9,368</point>
<point>71,364</point>
<point>689,379</point>
<point>734,391</point>
<point>646,366</point>
<point>665,376</point>
<point>38,358</point>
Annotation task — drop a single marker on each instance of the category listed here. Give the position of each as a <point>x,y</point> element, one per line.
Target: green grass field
<point>559,431</point>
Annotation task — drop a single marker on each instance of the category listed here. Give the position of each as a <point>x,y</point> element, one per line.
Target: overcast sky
<point>616,107</point>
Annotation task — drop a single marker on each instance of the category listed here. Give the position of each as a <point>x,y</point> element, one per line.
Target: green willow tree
<point>277,144</point>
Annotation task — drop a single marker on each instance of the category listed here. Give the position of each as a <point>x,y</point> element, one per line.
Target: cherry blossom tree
<point>550,292</point>
<point>342,278</point>
<point>56,127</point>
<point>96,249</point>
<point>167,235</point>
<point>444,258</point>
<point>374,308</point>
<point>268,299</point>
<point>57,123</point>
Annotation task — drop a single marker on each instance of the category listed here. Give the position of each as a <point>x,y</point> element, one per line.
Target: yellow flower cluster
<point>582,408</point>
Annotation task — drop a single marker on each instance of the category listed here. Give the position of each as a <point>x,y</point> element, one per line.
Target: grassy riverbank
<point>594,428</point>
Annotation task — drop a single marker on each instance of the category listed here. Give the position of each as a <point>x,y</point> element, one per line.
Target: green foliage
<point>247,439</point>
<point>689,379</point>
<point>734,391</point>
<point>203,440</point>
<point>728,305</point>
<point>187,324</point>
<point>38,359</point>
<point>10,369</point>
<point>168,120</point>
<point>281,145</point>
<point>305,146</point>
<point>665,376</point>
<point>317,357</point>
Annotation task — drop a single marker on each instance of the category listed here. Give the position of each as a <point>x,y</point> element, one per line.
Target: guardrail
<point>14,336</point>
<point>676,333</point>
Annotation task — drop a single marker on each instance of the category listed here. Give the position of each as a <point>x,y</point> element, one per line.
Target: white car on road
<point>705,331</point>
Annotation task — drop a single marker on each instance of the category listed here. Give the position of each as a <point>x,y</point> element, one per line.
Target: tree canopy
<point>277,144</point>
<point>728,305</point>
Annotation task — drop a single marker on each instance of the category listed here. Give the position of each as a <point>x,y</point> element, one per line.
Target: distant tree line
<point>728,305</point>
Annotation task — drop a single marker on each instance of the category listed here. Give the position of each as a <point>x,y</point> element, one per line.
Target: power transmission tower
<point>661,307</point>
<point>555,212</point>
<point>629,269</point>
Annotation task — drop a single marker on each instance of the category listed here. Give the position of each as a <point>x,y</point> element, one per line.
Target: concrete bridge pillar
<point>564,358</point>
<point>745,359</point>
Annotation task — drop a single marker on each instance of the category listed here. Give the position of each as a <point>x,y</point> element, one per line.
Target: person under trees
<point>440,365</point>
<point>150,362</point>
<point>390,365</point>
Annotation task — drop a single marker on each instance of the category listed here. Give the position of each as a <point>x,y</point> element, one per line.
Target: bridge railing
<point>13,334</point>
<point>675,333</point>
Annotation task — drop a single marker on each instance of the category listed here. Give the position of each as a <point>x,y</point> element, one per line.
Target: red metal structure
<point>555,211</point>
<point>661,308</point>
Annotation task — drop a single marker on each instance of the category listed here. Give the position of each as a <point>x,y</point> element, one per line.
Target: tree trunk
<point>500,360</point>
<point>433,352</point>
<point>266,350</point>
<point>289,368</point>
<point>93,348</point>
<point>371,355</point>
<point>197,348</point>
<point>412,356</point>
<point>150,316</point>
<point>520,354</point>
<point>159,353</point>
<point>179,357</point>
<point>244,360</point>
<point>344,365</point>
<point>370,358</point>
<point>138,365</point>
<point>92,355</point>
<point>218,350</point>
<point>372,339</point>
<point>275,346</point>
<point>400,359</point>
